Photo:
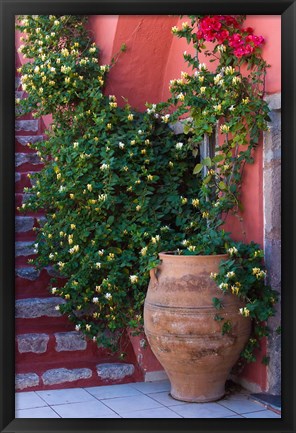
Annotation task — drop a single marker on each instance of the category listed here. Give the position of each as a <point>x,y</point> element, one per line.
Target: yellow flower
<point>255,271</point>
<point>195,202</point>
<point>130,117</point>
<point>244,311</point>
<point>185,25</point>
<point>224,129</point>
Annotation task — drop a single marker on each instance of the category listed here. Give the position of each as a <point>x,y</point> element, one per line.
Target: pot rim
<point>172,254</point>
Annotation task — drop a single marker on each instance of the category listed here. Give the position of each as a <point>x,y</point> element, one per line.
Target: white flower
<point>244,311</point>
<point>101,252</point>
<point>121,145</point>
<point>108,296</point>
<point>236,80</point>
<point>221,48</point>
<point>232,251</point>
<point>179,145</point>
<point>223,286</point>
<point>75,249</point>
<point>102,197</point>
<point>98,265</point>
<point>229,70</point>
<point>134,278</point>
<point>104,167</point>
<point>95,300</point>
<point>53,290</point>
<point>185,242</point>
<point>165,118</point>
<point>202,67</point>
<point>57,308</point>
<point>144,251</point>
<point>77,327</point>
<point>51,256</point>
<point>230,274</point>
<point>155,239</point>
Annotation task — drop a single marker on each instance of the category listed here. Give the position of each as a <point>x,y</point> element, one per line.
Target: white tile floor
<point>133,400</point>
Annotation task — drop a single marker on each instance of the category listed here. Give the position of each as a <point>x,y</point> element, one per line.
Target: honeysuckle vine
<point>112,184</point>
<point>119,186</point>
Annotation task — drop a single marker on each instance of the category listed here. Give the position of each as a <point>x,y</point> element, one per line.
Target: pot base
<point>198,399</point>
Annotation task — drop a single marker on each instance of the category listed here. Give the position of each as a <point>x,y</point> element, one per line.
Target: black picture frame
<point>10,8</point>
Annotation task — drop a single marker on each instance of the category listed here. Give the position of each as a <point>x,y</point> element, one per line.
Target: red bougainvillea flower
<point>217,27</point>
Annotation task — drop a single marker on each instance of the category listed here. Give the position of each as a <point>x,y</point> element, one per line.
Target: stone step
<point>57,377</point>
<point>30,308</point>
<point>23,248</point>
<point>27,272</point>
<point>19,94</point>
<point>25,139</point>
<point>26,158</point>
<point>24,224</point>
<point>27,125</point>
<point>63,342</point>
<point>17,82</point>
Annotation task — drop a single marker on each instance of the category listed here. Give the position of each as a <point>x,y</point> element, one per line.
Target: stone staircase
<point>50,354</point>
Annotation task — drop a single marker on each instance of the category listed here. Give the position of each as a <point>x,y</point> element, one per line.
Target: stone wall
<point>272,233</point>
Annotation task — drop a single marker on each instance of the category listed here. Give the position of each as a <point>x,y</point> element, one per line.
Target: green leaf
<point>217,303</point>
<point>218,158</point>
<point>207,161</point>
<point>222,185</point>
<point>198,168</point>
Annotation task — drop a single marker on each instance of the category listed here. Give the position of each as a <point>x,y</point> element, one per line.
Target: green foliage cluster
<point>224,97</point>
<point>118,186</point>
<point>243,275</point>
<point>112,186</point>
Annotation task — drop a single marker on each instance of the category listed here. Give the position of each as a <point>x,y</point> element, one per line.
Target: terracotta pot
<point>181,330</point>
